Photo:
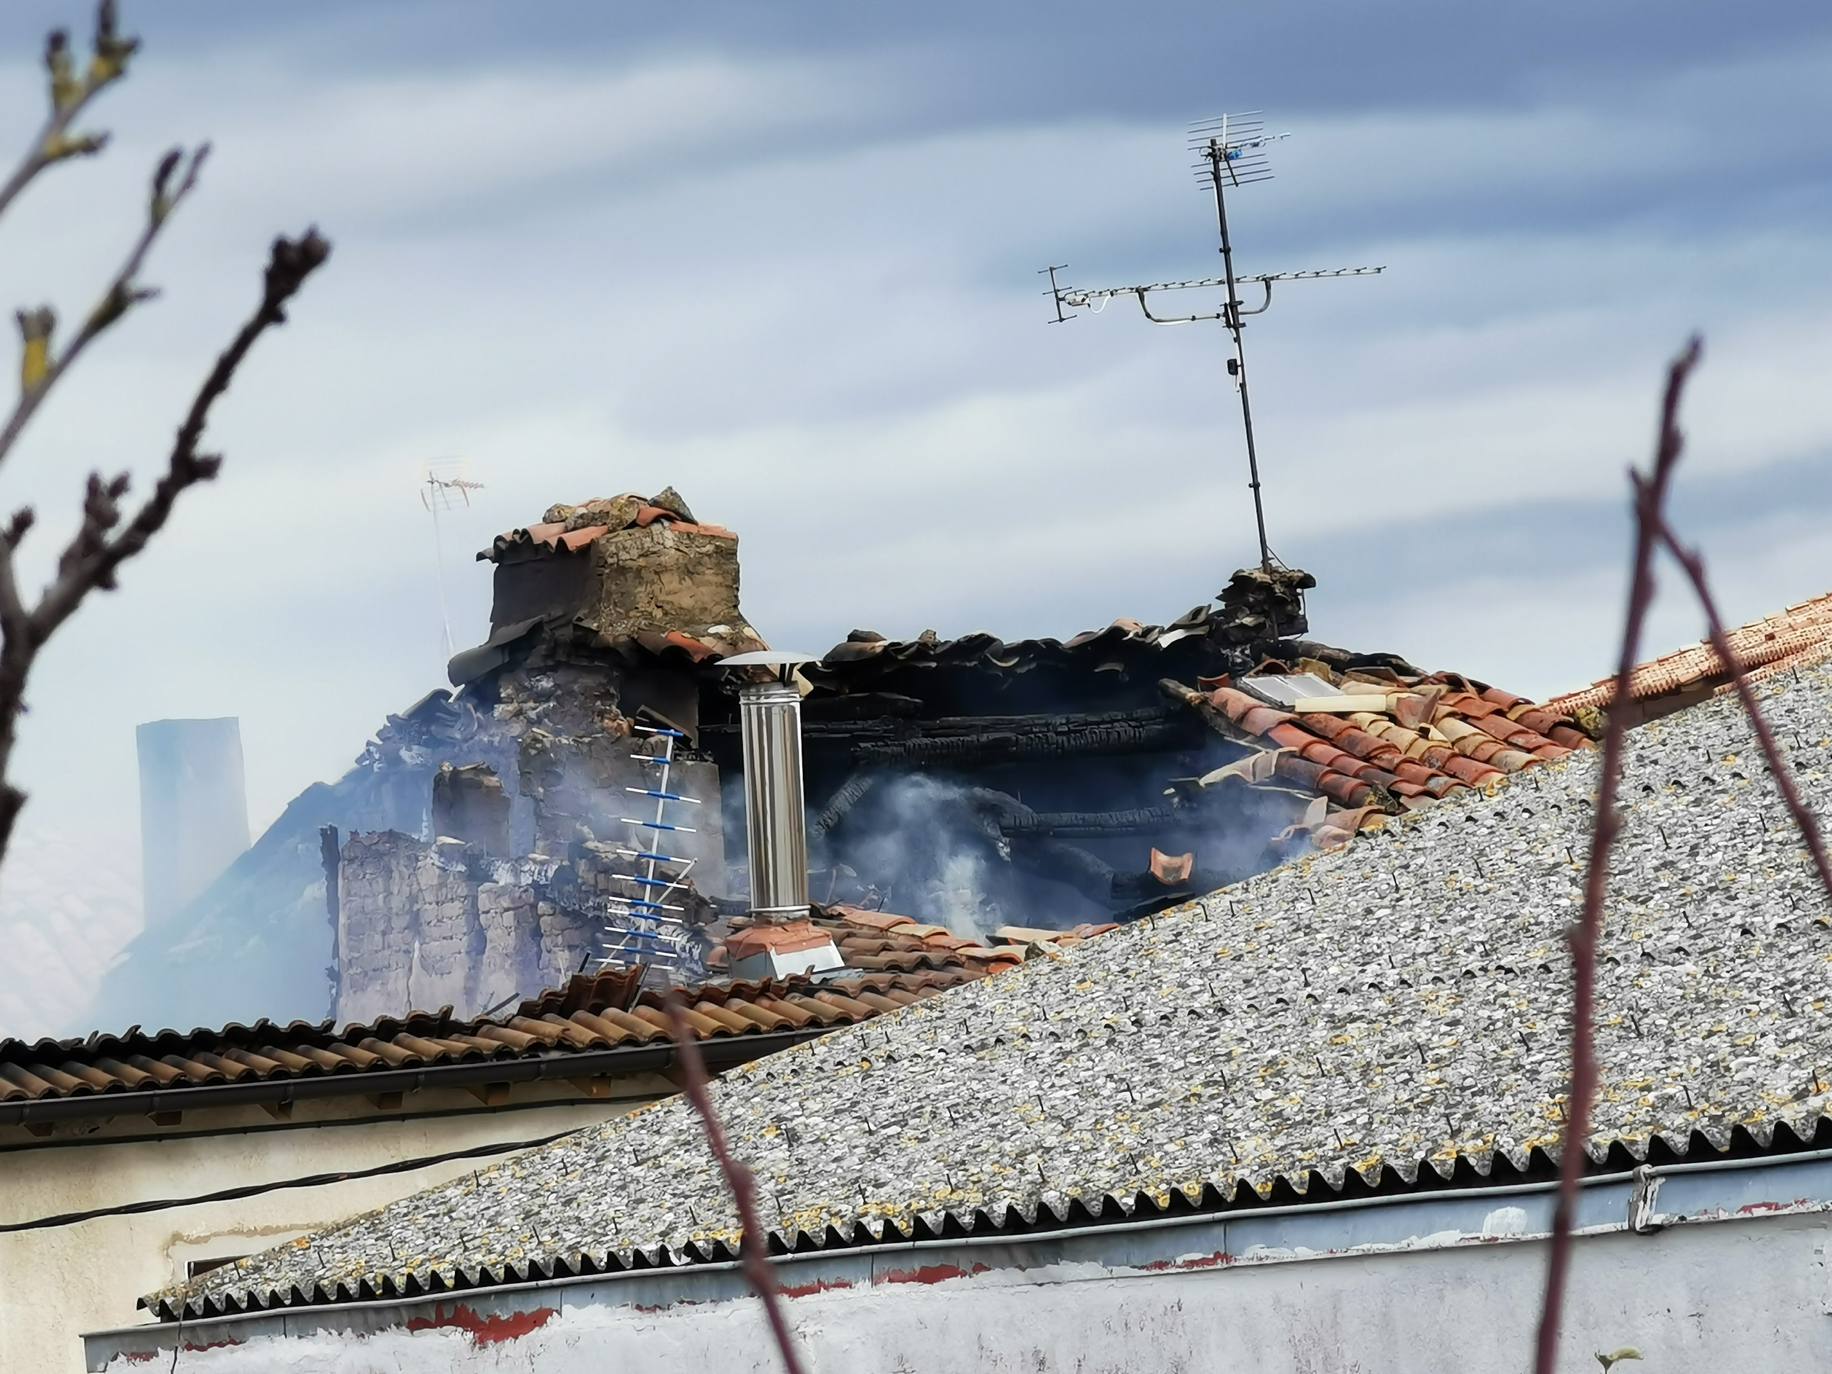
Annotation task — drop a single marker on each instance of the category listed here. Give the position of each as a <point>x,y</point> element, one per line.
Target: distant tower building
<point>193,809</point>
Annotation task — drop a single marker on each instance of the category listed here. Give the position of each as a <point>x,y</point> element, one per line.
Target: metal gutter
<point>1708,1191</point>
<point>718,1052</point>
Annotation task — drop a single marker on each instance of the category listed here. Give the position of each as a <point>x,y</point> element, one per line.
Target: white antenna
<point>647,930</point>
<point>443,482</point>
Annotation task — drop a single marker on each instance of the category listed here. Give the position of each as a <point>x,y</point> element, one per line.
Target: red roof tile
<point>592,520</point>
<point>785,938</point>
<point>1436,735</point>
<point>592,1012</point>
<point>1796,635</point>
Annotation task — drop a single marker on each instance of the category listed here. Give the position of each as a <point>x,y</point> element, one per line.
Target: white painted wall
<point>1747,1294</point>
<point>58,1283</point>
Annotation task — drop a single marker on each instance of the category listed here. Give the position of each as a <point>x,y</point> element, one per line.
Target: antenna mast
<point>1230,153</point>
<point>444,479</point>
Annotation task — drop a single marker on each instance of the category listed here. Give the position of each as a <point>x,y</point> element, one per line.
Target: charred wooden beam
<point>1204,709</point>
<point>1147,886</point>
<point>842,801</point>
<point>860,706</point>
<point>1066,863</point>
<point>1038,744</point>
<point>1093,824</point>
<point>1164,726</point>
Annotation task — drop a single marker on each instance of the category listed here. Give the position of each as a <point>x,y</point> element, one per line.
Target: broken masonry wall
<point>422,926</point>
<point>511,941</point>
<point>461,920</point>
<point>574,675</point>
<point>587,788</point>
<point>449,940</point>
<point>407,929</point>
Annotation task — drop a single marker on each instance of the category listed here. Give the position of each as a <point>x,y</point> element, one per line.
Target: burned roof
<point>1257,609</point>
<point>1392,1015</point>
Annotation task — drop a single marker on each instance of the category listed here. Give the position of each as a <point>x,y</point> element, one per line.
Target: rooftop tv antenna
<point>646,930</point>
<point>1230,152</point>
<point>441,488</point>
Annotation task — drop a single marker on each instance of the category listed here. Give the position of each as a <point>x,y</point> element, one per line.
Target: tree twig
<point>753,1248</point>
<point>102,543</point>
<point>70,94</point>
<point>1650,497</point>
<point>122,293</point>
<point>1693,565</point>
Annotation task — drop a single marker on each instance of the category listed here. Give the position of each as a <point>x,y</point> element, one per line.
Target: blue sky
<point>783,258</point>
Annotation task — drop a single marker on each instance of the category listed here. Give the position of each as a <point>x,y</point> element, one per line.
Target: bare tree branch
<point>753,1248</point>
<point>1650,496</point>
<point>40,367</point>
<point>70,93</point>
<point>1693,565</point>
<point>109,533</point>
<point>90,560</point>
<point>101,544</point>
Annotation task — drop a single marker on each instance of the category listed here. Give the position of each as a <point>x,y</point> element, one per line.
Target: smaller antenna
<point>441,487</point>
<point>1235,144</point>
<point>1056,292</point>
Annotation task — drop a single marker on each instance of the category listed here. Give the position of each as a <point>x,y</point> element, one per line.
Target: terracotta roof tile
<point>1290,735</point>
<point>1261,719</point>
<point>1795,636</point>
<point>871,920</point>
<point>785,938</point>
<point>1470,771</point>
<point>580,528</point>
<point>592,1012</point>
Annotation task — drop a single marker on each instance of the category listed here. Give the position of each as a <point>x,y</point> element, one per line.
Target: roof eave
<point>718,1052</point>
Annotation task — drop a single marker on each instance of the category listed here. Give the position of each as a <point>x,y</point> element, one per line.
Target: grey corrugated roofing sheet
<point>1382,1015</point>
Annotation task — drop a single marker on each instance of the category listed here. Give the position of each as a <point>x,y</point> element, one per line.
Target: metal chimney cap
<point>768,658</point>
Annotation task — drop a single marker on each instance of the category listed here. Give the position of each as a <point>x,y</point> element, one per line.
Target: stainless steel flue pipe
<point>775,811</point>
